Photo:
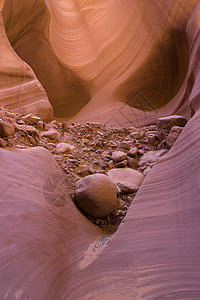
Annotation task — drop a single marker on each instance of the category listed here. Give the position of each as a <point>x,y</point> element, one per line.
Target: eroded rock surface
<point>123,63</point>
<point>76,64</point>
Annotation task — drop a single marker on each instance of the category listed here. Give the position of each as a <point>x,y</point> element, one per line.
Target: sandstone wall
<point>122,63</point>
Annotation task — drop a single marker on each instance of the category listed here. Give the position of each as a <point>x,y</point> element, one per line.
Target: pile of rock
<point>111,162</point>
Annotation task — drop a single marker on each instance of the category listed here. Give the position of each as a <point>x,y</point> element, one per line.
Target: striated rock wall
<point>137,67</point>
<point>118,62</point>
<point>19,88</point>
<point>27,25</point>
<point>50,251</point>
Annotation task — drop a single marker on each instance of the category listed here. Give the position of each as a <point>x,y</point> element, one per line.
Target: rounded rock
<point>96,194</point>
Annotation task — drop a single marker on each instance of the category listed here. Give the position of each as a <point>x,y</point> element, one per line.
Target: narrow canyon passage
<point>99,149</point>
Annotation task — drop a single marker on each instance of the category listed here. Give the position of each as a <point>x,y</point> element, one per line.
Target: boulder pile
<point>104,166</point>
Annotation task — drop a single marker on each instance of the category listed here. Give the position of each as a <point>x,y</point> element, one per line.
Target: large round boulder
<point>96,194</point>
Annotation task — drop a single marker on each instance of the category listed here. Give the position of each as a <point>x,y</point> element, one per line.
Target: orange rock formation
<point>123,62</point>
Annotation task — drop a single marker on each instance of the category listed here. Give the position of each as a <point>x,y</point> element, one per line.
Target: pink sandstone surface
<point>121,63</point>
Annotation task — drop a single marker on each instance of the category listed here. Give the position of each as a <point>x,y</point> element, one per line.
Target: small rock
<point>146,171</point>
<point>125,145</point>
<point>112,144</point>
<point>30,119</point>
<point>127,188</point>
<point>3,143</point>
<point>163,145</point>
<point>96,194</point>
<point>118,156</point>
<point>50,134</point>
<point>20,122</point>
<point>64,126</point>
<point>133,152</point>
<point>53,124</point>
<point>82,170</point>
<point>173,135</point>
<point>10,114</point>
<point>140,152</point>
<point>132,163</point>
<point>110,164</point>
<point>121,164</point>
<point>92,171</point>
<point>29,129</point>
<point>150,157</point>
<point>40,125</point>
<point>32,140</point>
<point>64,147</point>
<point>120,203</point>
<point>135,135</point>
<point>118,190</point>
<point>165,124</point>
<point>106,154</point>
<point>6,129</point>
<point>152,137</point>
<point>126,176</point>
<point>142,134</point>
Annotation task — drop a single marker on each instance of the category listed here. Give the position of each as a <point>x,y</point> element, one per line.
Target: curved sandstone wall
<point>121,63</point>
<point>48,249</point>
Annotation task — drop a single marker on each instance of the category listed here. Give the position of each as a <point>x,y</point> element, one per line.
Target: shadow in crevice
<point>160,76</point>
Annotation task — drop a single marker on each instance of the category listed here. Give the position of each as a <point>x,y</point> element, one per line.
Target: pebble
<point>82,170</point>
<point>133,152</point>
<point>152,137</point>
<point>31,130</point>
<point>40,125</point>
<point>20,122</point>
<point>118,156</point>
<point>30,119</point>
<point>3,143</point>
<point>50,134</point>
<point>126,176</point>
<point>121,164</point>
<point>135,135</point>
<point>110,164</point>
<point>146,171</point>
<point>127,188</point>
<point>6,129</point>
<point>32,140</point>
<point>150,157</point>
<point>64,147</point>
<point>125,145</point>
<point>173,135</point>
<point>132,163</point>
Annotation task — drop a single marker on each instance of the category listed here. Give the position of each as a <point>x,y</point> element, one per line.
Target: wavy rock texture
<point>26,24</point>
<point>20,90</point>
<point>137,67</point>
<point>41,231</point>
<point>155,252</point>
<point>50,251</point>
<point>107,61</point>
<point>136,60</point>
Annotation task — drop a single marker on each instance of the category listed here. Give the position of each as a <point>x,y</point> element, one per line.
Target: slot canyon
<point>99,149</point>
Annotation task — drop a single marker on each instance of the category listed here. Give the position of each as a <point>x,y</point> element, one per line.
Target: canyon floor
<point>84,149</point>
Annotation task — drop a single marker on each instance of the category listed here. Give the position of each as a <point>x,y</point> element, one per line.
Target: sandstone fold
<point>104,61</point>
<point>136,65</point>
<point>27,25</point>
<point>44,237</point>
<point>155,252</point>
<point>20,90</point>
